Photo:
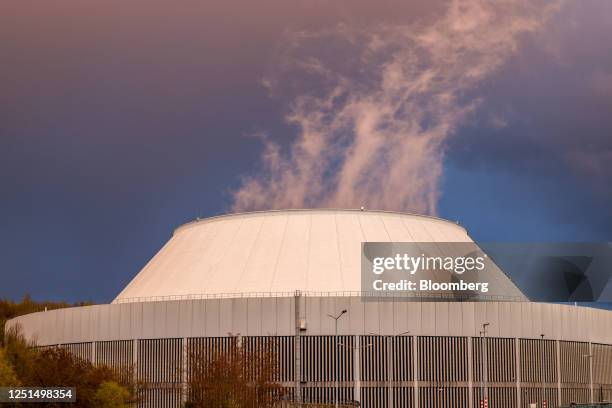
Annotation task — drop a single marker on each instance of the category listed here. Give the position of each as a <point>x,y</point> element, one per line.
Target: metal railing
<point>404,295</point>
<point>292,404</point>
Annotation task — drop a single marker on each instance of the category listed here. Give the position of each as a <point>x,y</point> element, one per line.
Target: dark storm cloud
<point>375,136</point>
<point>549,108</point>
<point>120,120</point>
<point>547,118</point>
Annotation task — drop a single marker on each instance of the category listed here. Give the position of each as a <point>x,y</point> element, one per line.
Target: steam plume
<point>375,135</point>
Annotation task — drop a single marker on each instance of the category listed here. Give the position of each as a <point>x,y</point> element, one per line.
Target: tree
<point>7,373</point>
<point>236,376</point>
<point>10,309</point>
<point>19,353</point>
<point>111,395</point>
<point>57,367</point>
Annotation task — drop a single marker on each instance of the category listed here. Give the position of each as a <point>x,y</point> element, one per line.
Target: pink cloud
<point>376,136</point>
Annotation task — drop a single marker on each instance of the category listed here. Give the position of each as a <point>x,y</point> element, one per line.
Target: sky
<point>120,121</point>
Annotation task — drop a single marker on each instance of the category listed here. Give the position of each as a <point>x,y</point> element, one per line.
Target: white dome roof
<point>280,251</point>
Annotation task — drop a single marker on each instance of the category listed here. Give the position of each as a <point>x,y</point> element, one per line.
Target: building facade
<point>278,276</point>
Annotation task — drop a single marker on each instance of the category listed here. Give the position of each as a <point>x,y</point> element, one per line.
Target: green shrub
<point>7,373</point>
<point>57,367</point>
<point>111,395</point>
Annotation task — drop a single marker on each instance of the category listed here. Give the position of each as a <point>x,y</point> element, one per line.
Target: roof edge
<point>292,210</point>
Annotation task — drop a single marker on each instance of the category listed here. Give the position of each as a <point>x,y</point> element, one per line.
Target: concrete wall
<point>440,363</point>
<point>276,316</point>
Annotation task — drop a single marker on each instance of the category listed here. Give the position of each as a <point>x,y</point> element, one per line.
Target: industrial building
<point>289,275</point>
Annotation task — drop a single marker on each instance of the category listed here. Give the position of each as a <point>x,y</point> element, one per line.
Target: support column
<point>388,344</point>
<point>485,364</point>
<point>357,369</point>
<point>297,349</point>
<point>184,384</point>
<point>93,352</point>
<point>517,358</point>
<point>470,374</point>
<point>590,358</point>
<point>135,373</point>
<point>415,371</point>
<point>558,344</point>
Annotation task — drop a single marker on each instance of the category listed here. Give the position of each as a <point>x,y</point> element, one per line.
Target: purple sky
<point>121,120</point>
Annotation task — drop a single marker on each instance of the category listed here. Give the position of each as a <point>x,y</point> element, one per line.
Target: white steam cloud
<point>375,137</point>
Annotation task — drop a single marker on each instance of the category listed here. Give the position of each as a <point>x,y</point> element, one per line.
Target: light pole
<point>336,351</point>
<point>356,349</point>
<point>590,357</point>
<point>481,399</point>
<point>389,341</point>
<point>485,363</point>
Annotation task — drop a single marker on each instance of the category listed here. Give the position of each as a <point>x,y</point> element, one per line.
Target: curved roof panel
<point>280,252</point>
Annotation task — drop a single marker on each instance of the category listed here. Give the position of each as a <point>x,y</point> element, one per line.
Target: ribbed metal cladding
<point>602,372</point>
<point>574,361</point>
<point>159,367</point>
<point>539,375</point>
<point>575,372</point>
<point>575,395</point>
<point>378,351</point>
<point>441,367</point>
<point>205,349</point>
<point>531,395</point>
<point>499,355</point>
<point>159,397</point>
<point>444,397</point>
<point>118,355</point>
<point>386,366</point>
<point>325,395</point>
<point>279,346</point>
<point>538,361</point>
<point>443,371</point>
<point>403,396</point>
<point>499,397</point>
<point>327,358</point>
<point>79,350</point>
<point>500,360</point>
<point>373,396</point>
<point>442,359</point>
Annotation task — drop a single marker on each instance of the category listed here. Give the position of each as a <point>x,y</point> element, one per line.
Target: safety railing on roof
<point>417,296</point>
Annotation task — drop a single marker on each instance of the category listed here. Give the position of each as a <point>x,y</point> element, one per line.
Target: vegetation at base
<point>111,395</point>
<point>97,386</point>
<point>10,309</point>
<point>7,372</point>
<point>237,376</point>
<point>242,375</point>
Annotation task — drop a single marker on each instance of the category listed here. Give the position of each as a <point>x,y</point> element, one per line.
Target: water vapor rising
<point>373,133</point>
